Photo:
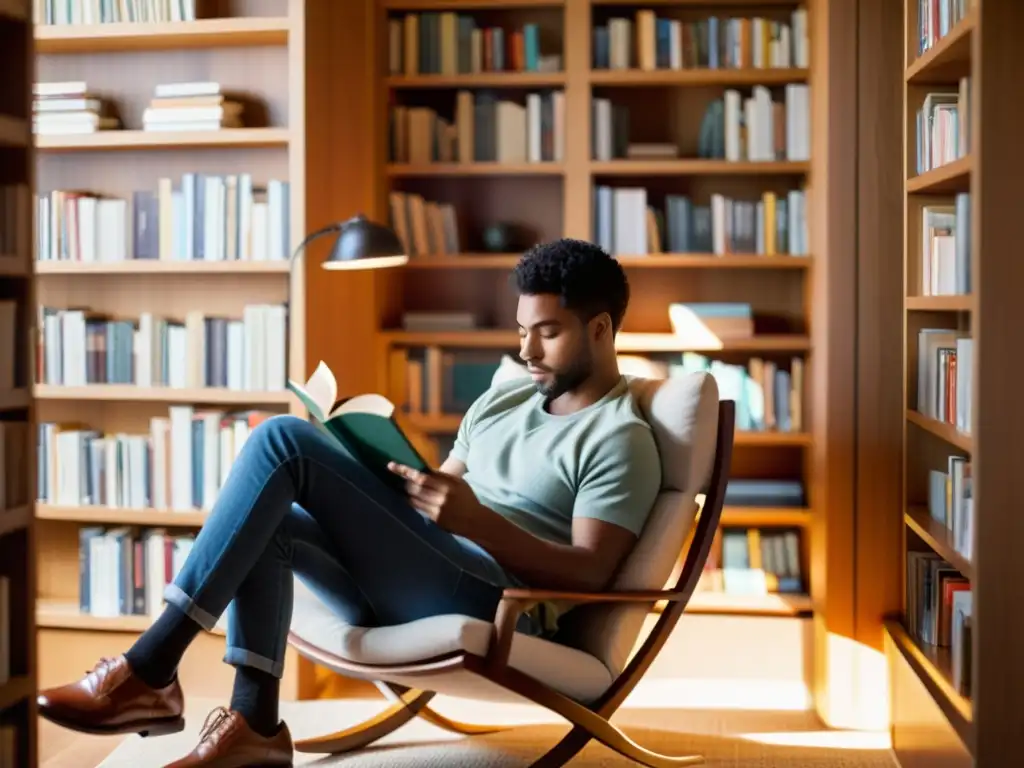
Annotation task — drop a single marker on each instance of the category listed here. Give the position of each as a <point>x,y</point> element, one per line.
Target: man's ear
<point>602,326</point>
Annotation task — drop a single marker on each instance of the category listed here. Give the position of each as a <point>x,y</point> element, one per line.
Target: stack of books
<point>191,107</point>
<point>67,108</point>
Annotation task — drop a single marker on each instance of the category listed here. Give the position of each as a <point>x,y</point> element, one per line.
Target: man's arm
<point>586,565</point>
<point>612,503</point>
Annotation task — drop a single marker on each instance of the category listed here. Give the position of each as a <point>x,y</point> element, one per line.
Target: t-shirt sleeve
<point>460,450</point>
<point>622,479</point>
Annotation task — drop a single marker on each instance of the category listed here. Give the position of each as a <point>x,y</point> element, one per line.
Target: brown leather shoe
<point>227,741</point>
<point>111,699</point>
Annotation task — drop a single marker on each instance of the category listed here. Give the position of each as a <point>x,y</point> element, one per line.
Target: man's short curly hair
<point>586,279</point>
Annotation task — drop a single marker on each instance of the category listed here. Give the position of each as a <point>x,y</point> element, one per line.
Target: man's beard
<point>567,380</point>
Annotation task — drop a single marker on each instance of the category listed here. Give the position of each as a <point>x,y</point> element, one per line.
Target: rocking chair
<point>586,672</point>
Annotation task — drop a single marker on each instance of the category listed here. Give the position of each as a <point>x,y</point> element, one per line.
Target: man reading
<point>548,486</point>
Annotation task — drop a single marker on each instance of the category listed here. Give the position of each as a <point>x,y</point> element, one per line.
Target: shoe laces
<point>214,723</point>
<point>102,668</point>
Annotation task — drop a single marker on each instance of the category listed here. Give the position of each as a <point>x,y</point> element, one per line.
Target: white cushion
<point>575,673</point>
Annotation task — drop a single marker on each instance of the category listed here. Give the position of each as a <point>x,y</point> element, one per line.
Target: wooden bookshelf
<point>18,667</point>
<point>258,50</point>
<point>963,410</point>
<point>552,197</point>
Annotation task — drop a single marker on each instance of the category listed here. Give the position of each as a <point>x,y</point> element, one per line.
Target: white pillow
<point>508,369</point>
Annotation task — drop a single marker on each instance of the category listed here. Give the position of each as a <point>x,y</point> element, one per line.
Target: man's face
<point>554,343</point>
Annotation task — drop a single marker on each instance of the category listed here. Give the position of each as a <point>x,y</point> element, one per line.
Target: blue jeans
<point>295,502</point>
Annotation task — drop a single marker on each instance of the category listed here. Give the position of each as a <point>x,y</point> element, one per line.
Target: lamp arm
<point>335,227</point>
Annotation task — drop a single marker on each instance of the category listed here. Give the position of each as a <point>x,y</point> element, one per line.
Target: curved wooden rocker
<point>589,720</point>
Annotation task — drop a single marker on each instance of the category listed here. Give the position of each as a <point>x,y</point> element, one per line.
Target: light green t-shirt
<point>541,470</point>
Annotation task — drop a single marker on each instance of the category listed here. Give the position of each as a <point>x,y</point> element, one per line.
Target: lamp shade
<point>362,244</point>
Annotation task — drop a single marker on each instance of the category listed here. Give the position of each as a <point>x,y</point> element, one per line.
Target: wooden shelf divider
<point>158,36</point>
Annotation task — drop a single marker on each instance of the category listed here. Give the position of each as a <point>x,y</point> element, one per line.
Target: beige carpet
<point>728,739</point>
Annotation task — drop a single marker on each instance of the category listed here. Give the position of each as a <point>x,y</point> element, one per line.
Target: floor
<point>728,738</point>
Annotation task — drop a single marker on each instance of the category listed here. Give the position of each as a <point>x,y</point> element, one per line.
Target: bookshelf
<point>194,309</point>
<point>18,738</point>
<point>957,682</point>
<point>561,61</point>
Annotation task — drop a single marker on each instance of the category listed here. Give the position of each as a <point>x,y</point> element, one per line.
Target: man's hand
<point>446,499</point>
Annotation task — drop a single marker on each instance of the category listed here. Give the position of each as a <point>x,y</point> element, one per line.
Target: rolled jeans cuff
<point>240,657</point>
<point>175,596</point>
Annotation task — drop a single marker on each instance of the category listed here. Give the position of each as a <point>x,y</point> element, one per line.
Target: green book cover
<point>364,424</point>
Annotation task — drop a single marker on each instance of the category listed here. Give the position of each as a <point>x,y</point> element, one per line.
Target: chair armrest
<point>515,602</point>
<point>641,596</point>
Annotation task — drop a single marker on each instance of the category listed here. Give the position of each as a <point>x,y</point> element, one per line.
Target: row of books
<point>943,127</point>
<point>77,347</point>
<point>124,571</point>
<point>450,43</point>
<point>425,227</point>
<point>14,201</point>
<point>205,217</point>
<point>754,561</point>
<point>939,611</point>
<point>70,108</point>
<point>652,42</point>
<point>951,502</point>
<point>945,360</point>
<point>735,128</point>
<point>180,465</point>
<point>935,18</point>
<point>946,248</point>
<point>625,223</point>
<point>485,128</point>
<point>135,11</point>
<point>14,469</point>
<point>769,396</point>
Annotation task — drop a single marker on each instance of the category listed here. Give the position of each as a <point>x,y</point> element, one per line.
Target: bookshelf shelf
<point>56,614</point>
<point>143,36</point>
<point>697,77</point>
<point>169,140</point>
<point>397,170</point>
<point>626,342</point>
<point>962,303</point>
<point>155,267</point>
<point>951,177</point>
<point>744,605</point>
<point>15,399</point>
<point>938,537</point>
<point>131,393</point>
<point>466,5</point>
<point>480,80</point>
<point>13,9</point>
<point>13,132</point>
<point>933,666</point>
<point>15,691</point>
<point>940,429</point>
<point>697,3</point>
<point>12,520</point>
<point>948,59</point>
<point>12,266</point>
<point>110,516</point>
<point>647,261</point>
<point>764,517</point>
<point>697,168</point>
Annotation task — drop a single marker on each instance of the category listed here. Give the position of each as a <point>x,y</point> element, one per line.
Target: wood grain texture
<point>833,227</point>
<point>879,528</point>
<point>997,199</point>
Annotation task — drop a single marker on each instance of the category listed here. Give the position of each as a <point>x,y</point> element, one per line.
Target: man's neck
<point>589,392</point>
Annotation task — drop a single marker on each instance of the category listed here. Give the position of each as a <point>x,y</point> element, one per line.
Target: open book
<point>364,424</point>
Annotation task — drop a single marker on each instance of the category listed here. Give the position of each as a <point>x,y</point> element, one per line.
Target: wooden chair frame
<point>589,721</point>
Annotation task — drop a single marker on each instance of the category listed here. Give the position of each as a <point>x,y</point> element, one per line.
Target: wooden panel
<point>879,312</point>
<point>997,199</point>
<point>921,735</point>
<point>833,228</point>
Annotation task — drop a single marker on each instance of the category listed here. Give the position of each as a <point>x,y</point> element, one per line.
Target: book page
<point>319,392</point>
